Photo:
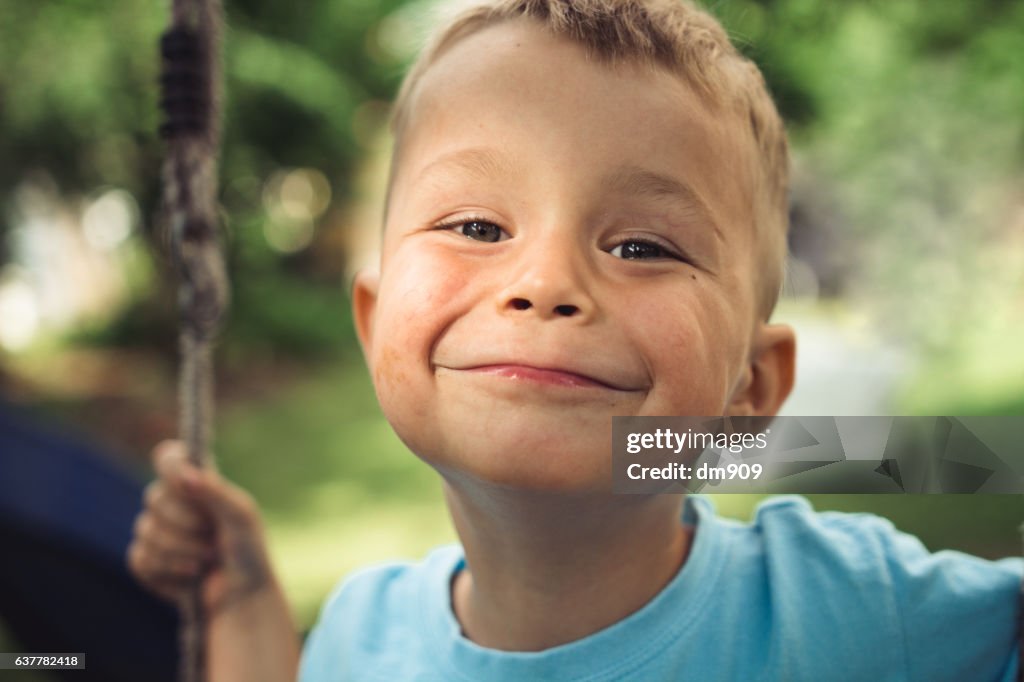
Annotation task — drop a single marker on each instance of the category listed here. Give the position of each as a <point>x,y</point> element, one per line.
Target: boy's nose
<point>549,288</point>
<point>563,309</point>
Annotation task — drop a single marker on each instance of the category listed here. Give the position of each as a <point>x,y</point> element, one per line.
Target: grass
<point>337,488</point>
<point>982,373</point>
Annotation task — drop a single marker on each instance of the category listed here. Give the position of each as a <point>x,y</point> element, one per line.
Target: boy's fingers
<point>174,511</point>
<point>170,459</point>
<point>161,552</point>
<point>172,593</point>
<point>231,505</point>
<point>171,541</point>
<point>168,582</point>
<point>149,566</point>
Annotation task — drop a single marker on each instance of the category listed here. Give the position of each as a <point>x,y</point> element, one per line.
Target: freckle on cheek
<point>387,373</point>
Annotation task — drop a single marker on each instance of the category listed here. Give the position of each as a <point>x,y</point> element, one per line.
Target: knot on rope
<point>184,83</point>
<point>188,99</point>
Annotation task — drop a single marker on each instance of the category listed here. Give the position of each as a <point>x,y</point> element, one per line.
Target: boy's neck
<point>547,569</point>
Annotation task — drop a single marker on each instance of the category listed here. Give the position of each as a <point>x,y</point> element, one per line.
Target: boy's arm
<point>254,641</point>
<point>196,522</point>
<point>959,612</point>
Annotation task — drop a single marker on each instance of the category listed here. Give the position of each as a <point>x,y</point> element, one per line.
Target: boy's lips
<point>556,376</point>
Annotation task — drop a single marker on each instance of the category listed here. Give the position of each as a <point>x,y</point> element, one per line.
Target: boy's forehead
<point>513,93</point>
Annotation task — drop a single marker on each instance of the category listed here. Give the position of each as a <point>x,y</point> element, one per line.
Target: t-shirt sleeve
<point>347,617</point>
<point>959,612</point>
<point>370,616</point>
<point>318,656</point>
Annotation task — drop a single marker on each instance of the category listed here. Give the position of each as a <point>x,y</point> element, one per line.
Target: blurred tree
<point>78,103</point>
<point>911,108</point>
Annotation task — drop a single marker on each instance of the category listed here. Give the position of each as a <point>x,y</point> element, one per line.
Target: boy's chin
<point>528,462</point>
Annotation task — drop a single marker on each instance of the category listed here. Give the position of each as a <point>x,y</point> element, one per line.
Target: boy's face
<point>565,242</point>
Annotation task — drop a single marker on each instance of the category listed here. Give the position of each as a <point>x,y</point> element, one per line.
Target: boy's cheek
<point>418,299</point>
<point>692,348</point>
<point>425,278</point>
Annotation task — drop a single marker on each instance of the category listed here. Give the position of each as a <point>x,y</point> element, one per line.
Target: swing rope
<point>190,98</point>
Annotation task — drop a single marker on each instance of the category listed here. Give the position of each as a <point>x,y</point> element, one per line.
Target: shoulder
<point>377,593</point>
<point>951,613</point>
<point>861,540</point>
<point>786,528</point>
<point>792,555</point>
<point>793,514</point>
<point>373,615</point>
<point>789,521</point>
<point>863,543</point>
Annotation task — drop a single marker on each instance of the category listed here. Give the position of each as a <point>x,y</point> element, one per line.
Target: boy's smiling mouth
<point>551,376</point>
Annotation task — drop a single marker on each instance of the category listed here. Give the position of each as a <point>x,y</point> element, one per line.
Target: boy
<point>586,218</point>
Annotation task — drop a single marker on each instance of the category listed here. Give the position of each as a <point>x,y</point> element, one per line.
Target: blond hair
<point>673,34</point>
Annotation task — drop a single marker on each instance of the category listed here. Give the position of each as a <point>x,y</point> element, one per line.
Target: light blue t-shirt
<point>795,595</point>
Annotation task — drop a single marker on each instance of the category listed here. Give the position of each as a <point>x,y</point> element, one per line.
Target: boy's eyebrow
<point>486,162</point>
<point>481,162</point>
<point>637,181</point>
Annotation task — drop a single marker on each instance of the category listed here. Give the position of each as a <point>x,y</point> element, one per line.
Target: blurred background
<point>906,283</point>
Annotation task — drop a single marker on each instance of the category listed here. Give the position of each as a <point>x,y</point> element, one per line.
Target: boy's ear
<point>768,378</point>
<point>364,304</point>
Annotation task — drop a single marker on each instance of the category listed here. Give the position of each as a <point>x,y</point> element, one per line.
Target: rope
<point>190,83</point>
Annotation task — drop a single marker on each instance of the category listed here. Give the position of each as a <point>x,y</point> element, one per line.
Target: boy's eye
<point>635,249</point>
<point>480,230</point>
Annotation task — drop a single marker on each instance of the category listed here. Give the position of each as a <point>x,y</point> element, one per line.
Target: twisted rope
<point>190,84</point>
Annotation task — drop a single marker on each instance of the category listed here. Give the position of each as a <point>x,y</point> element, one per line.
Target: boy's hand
<point>194,525</point>
<point>193,521</point>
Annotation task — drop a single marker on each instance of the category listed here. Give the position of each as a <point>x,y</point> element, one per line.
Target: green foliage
<point>909,110</point>
<point>273,313</point>
<point>76,79</point>
<point>908,114</point>
<point>78,87</point>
